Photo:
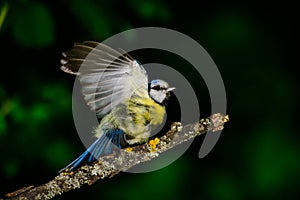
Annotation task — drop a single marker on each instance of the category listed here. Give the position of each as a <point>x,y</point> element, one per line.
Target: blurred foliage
<point>4,7</point>
<point>93,17</point>
<point>162,187</point>
<point>225,186</point>
<point>150,9</point>
<point>257,155</point>
<point>274,161</point>
<point>33,26</point>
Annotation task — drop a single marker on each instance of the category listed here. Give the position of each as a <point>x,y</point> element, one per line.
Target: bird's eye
<point>156,87</point>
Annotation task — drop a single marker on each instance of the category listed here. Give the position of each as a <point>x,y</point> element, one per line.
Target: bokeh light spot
<point>57,154</point>
<point>3,12</point>
<point>11,168</point>
<point>33,26</point>
<point>40,113</point>
<point>223,186</point>
<point>274,160</point>
<point>151,9</point>
<point>93,17</point>
<point>2,126</point>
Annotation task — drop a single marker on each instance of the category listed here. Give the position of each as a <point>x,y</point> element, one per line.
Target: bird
<point>115,86</point>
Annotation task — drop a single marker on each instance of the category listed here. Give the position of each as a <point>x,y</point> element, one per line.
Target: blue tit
<point>115,86</point>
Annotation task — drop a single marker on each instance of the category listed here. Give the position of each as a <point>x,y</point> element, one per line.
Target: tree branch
<point>120,160</point>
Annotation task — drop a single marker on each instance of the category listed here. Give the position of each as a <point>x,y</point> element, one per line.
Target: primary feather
<point>107,76</point>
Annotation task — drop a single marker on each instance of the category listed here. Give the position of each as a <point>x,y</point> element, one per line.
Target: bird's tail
<point>102,146</point>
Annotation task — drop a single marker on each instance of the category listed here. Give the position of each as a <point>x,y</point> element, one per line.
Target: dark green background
<point>253,45</point>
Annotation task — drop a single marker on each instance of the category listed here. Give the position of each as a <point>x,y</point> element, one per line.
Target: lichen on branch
<point>121,160</point>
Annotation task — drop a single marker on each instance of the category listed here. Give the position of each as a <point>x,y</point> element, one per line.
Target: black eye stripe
<point>157,87</point>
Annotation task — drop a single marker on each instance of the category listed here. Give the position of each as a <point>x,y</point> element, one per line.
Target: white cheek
<point>151,93</point>
<point>157,96</point>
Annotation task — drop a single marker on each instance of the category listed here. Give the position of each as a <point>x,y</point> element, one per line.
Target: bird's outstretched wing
<point>108,77</point>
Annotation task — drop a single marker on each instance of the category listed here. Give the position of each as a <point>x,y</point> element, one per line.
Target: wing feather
<point>108,77</point>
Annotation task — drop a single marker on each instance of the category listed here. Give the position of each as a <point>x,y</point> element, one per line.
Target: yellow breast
<point>146,111</point>
<point>137,118</point>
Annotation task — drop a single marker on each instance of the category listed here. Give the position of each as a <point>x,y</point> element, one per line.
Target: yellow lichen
<point>226,118</point>
<point>129,149</point>
<point>65,173</point>
<point>153,144</point>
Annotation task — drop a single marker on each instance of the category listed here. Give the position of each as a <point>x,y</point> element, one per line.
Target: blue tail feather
<point>102,146</point>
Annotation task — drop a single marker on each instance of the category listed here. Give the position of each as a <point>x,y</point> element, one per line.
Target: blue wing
<point>102,146</point>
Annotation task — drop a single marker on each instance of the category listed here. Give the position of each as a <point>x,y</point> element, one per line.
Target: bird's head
<point>159,90</point>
